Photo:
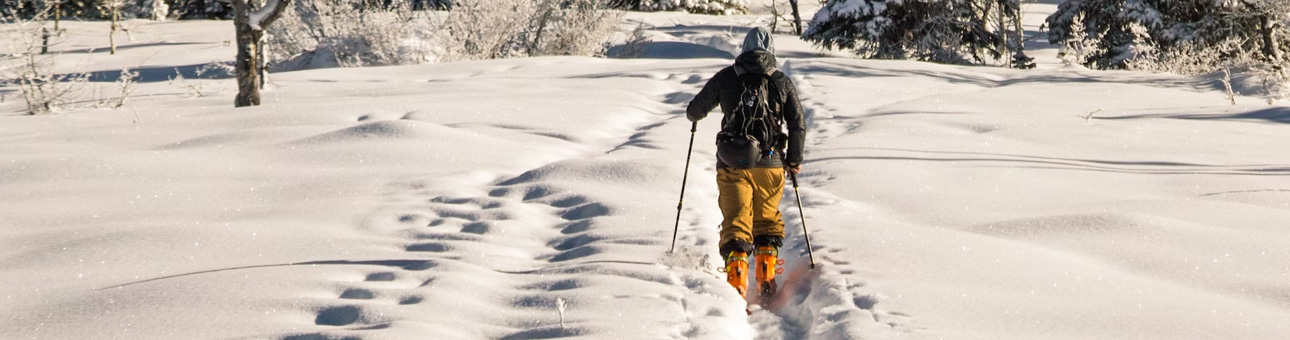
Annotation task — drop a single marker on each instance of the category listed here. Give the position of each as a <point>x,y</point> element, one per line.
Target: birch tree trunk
<point>1271,50</point>
<point>1002,27</point>
<point>250,23</point>
<point>116,13</point>
<point>45,34</point>
<point>1020,60</point>
<point>797,18</point>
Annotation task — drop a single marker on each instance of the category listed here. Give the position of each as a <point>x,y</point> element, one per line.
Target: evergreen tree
<point>944,31</point>
<point>716,7</point>
<point>1114,34</point>
<point>201,9</point>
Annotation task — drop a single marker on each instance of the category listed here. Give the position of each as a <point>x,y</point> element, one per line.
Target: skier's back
<point>757,102</point>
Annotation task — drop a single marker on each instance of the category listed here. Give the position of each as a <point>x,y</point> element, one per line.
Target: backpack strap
<point>780,96</point>
<point>771,124</point>
<point>777,109</point>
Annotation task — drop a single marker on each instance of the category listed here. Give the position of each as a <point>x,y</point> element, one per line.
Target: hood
<point>758,39</point>
<point>758,55</point>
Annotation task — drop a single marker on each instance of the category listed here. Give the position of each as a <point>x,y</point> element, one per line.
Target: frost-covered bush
<point>329,33</point>
<point>578,27</point>
<point>634,46</point>
<point>347,33</point>
<point>1181,36</point>
<point>717,7</point>
<point>22,63</point>
<point>945,31</point>
<point>490,29</point>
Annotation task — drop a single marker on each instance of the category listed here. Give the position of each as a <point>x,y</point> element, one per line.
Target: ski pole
<point>693,127</point>
<point>806,234</point>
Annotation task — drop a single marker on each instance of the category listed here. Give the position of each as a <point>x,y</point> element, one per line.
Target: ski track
<point>480,235</point>
<point>817,303</point>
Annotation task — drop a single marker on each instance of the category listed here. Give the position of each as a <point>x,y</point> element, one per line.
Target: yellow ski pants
<point>749,200</point>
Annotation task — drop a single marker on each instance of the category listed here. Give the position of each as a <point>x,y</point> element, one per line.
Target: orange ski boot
<point>767,259</point>
<point>737,271</point>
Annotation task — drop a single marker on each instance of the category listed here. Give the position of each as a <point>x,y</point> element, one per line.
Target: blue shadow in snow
<point>1277,115</point>
<point>676,50</point>
<point>164,73</point>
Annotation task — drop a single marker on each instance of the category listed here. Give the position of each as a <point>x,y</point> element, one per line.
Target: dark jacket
<point>725,88</point>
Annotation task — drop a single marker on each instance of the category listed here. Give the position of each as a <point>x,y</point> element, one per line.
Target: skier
<point>758,102</point>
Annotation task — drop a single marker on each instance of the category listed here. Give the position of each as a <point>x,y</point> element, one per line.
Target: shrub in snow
<point>489,29</point>
<point>23,63</point>
<point>191,89</point>
<point>124,89</point>
<point>1182,36</point>
<point>329,33</point>
<point>944,31</point>
<point>349,33</point>
<point>635,45</point>
<point>719,7</point>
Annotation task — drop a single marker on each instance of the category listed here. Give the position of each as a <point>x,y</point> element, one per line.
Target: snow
<point>463,200</point>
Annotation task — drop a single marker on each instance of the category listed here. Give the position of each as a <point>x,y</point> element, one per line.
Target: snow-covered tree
<point>945,31</point>
<point>1181,36</point>
<point>147,9</point>
<point>420,5</point>
<point>201,9</point>
<point>718,7</point>
<point>28,9</point>
<point>1117,32</point>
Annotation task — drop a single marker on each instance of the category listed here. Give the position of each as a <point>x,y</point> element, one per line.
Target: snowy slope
<point>471,200</point>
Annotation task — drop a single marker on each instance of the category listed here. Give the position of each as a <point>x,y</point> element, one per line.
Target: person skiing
<point>753,153</point>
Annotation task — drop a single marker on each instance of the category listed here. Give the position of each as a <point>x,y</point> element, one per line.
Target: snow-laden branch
<point>257,16</point>
<point>264,16</point>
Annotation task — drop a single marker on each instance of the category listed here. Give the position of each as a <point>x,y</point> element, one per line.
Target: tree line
<point>1182,36</point>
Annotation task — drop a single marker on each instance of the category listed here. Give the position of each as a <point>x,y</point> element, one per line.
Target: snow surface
<point>467,200</point>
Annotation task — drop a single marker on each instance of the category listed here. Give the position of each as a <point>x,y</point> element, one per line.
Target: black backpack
<point>754,129</point>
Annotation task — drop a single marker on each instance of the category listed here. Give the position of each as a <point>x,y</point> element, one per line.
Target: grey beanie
<point>758,39</point>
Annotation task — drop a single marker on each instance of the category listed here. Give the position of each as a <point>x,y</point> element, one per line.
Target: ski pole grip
<point>694,126</point>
